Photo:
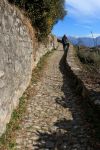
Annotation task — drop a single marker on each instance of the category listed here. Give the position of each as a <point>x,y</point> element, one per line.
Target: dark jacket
<point>65,40</point>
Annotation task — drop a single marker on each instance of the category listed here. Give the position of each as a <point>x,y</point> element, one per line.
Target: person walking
<point>65,43</point>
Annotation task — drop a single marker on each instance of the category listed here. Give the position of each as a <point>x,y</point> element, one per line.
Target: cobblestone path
<point>54,120</point>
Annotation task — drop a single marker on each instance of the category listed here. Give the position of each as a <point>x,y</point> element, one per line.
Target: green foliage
<point>43,13</point>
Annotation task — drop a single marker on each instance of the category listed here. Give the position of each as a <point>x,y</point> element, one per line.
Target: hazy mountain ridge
<point>85,41</point>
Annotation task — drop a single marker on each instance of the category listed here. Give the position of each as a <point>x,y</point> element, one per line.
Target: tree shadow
<point>64,138</point>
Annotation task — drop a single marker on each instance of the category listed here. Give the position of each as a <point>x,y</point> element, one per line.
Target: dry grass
<point>87,55</point>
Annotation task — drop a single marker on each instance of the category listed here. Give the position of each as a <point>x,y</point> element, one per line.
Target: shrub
<point>43,13</point>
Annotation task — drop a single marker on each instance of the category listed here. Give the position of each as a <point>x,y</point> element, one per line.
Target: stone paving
<point>54,119</point>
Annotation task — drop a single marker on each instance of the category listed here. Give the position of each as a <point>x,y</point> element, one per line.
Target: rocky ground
<point>54,118</point>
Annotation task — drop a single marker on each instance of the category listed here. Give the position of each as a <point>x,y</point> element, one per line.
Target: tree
<point>43,13</point>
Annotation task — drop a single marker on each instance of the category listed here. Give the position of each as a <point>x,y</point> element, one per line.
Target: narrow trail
<point>54,119</point>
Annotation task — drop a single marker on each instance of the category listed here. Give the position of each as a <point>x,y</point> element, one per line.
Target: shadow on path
<point>61,139</point>
<point>71,134</point>
<point>89,111</point>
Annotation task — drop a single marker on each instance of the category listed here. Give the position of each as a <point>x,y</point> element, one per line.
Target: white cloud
<point>84,8</point>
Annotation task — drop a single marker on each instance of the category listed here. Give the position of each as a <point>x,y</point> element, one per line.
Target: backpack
<point>64,40</point>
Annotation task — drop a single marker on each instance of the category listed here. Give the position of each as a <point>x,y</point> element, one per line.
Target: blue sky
<point>83,17</point>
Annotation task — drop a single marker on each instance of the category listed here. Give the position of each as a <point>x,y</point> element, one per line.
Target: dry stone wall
<point>82,82</point>
<point>19,54</point>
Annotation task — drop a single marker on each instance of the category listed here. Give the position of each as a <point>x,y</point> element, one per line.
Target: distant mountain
<point>85,41</point>
<point>73,40</point>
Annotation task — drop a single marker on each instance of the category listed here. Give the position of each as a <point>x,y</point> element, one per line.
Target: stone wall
<point>19,54</point>
<point>83,82</point>
<point>76,69</point>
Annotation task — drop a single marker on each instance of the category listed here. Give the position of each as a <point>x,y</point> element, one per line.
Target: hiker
<point>65,43</point>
